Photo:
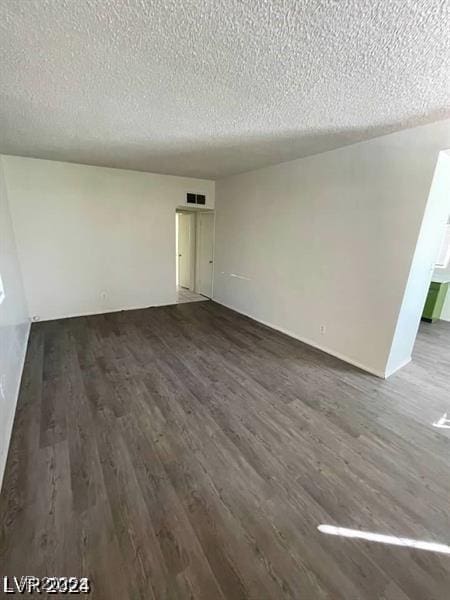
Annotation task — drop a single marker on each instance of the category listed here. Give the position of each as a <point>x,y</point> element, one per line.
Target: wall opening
<point>194,255</point>
<point>424,279</point>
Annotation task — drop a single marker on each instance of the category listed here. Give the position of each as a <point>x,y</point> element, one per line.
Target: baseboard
<point>16,397</point>
<point>307,341</point>
<point>104,312</point>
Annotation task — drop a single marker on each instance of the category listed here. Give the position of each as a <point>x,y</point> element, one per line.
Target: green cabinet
<point>435,301</point>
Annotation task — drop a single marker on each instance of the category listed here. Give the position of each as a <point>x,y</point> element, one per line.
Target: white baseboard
<point>342,357</point>
<point>104,312</point>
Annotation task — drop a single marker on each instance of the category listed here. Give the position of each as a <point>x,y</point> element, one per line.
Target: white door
<point>205,253</point>
<point>184,250</point>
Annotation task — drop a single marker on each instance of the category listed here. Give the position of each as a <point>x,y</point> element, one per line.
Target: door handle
<point>210,262</point>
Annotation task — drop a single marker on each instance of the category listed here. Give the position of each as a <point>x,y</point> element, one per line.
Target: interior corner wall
<point>425,255</point>
<point>93,239</point>
<point>321,248</point>
<point>14,324</point>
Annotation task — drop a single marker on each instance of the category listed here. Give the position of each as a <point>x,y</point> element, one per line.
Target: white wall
<point>425,256</point>
<point>445,315</point>
<point>14,325</point>
<point>83,231</point>
<point>328,240</point>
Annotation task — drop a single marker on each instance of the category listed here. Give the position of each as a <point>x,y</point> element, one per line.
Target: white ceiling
<point>207,88</point>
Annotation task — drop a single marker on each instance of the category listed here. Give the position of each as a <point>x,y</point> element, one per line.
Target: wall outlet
<point>103,295</point>
<point>323,329</point>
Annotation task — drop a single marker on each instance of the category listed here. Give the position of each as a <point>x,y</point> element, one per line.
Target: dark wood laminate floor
<point>189,452</point>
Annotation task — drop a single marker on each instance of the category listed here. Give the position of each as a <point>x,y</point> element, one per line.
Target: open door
<point>205,249</point>
<point>185,238</point>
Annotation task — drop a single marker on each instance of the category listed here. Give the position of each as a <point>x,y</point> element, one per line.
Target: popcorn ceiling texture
<point>209,88</point>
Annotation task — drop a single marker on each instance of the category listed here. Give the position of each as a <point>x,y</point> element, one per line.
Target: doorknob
<point>210,262</point>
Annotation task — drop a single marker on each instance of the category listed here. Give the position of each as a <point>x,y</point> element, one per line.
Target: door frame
<point>195,248</point>
<point>191,249</point>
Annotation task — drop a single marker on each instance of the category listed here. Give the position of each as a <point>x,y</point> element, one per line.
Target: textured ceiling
<point>207,88</point>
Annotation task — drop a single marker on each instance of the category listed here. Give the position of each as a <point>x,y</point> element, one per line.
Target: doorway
<point>186,250</point>
<point>194,255</point>
<point>205,248</point>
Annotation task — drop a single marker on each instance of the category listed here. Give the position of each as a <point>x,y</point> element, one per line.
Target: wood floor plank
<point>189,452</point>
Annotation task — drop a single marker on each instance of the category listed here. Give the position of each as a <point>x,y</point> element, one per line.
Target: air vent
<point>196,199</point>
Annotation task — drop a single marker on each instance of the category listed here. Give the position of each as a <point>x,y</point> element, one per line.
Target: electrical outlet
<point>323,329</point>
<point>103,295</point>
